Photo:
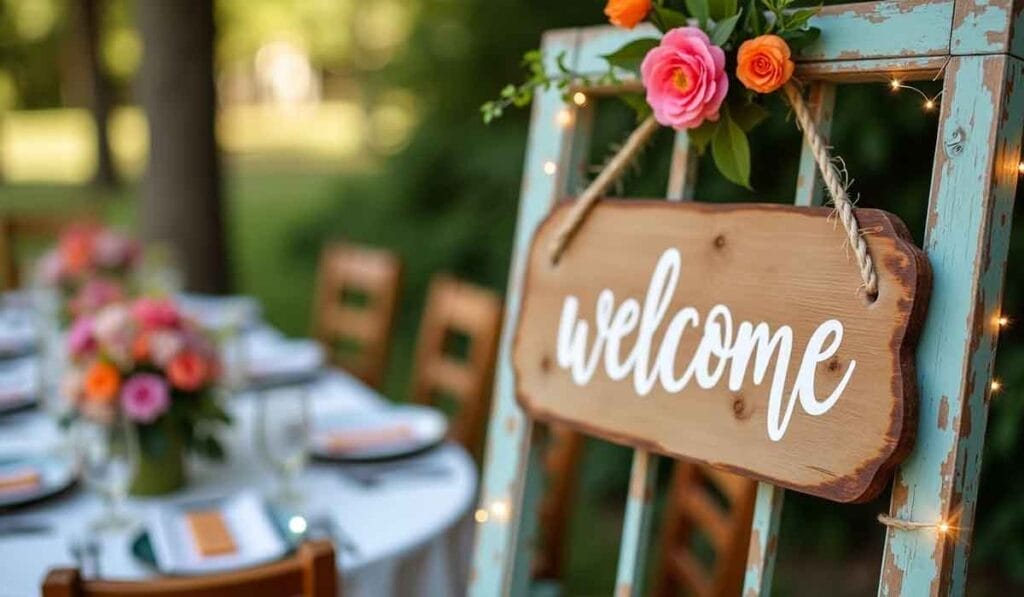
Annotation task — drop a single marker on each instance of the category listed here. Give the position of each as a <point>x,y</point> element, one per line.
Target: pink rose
<point>114,250</point>
<point>685,79</point>
<point>94,295</point>
<point>81,337</point>
<point>115,330</point>
<point>154,313</point>
<point>145,397</point>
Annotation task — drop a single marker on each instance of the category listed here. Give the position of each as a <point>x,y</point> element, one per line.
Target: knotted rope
<point>836,185</point>
<point>834,182</point>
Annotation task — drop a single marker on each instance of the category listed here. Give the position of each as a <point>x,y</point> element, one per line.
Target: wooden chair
<point>561,466</point>
<point>357,296</point>
<point>311,572</point>
<point>18,230</point>
<point>705,533</point>
<point>455,355</point>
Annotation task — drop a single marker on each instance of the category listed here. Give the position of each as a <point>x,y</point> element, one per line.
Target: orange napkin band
<point>210,533</point>
<point>362,439</point>
<point>19,480</point>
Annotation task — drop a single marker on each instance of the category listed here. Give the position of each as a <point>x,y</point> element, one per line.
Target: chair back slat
<point>356,302</point>
<point>704,502</point>
<point>311,572</point>
<point>455,354</point>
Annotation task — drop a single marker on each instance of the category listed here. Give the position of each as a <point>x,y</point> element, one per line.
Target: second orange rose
<point>763,63</point>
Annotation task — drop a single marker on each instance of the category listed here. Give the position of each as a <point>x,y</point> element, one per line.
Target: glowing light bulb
<point>550,168</point>
<point>894,84</point>
<point>481,515</point>
<point>929,105</point>
<point>943,527</point>
<point>564,118</point>
<point>579,98</point>
<point>500,510</point>
<point>297,525</point>
<point>1020,167</point>
<point>995,386</point>
<point>1002,321</point>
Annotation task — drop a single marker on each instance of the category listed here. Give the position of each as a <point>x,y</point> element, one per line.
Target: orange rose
<point>764,64</point>
<point>101,383</point>
<point>627,13</point>
<point>141,349</point>
<point>188,371</point>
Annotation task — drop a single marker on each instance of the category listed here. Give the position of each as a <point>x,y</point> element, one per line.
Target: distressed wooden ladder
<point>976,49</point>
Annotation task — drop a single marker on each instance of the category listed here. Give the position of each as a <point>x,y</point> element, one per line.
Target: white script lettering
<point>722,347</point>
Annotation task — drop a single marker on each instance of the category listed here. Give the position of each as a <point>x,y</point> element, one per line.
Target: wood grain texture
<point>776,264</point>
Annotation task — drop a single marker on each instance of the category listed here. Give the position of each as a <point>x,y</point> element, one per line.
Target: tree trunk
<point>100,94</point>
<point>182,199</point>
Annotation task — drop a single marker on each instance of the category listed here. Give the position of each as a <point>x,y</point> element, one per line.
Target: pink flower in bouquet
<point>155,313</point>
<point>81,337</point>
<point>164,345</point>
<point>685,79</point>
<point>94,295</point>
<point>114,250</point>
<point>188,371</point>
<point>145,397</point>
<point>115,330</point>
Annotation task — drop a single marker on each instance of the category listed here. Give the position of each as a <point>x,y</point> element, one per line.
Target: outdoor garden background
<point>359,119</point>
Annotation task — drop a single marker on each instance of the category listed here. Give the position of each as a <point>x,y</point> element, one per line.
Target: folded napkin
<point>19,480</point>
<point>210,533</point>
<point>356,440</point>
<point>18,380</point>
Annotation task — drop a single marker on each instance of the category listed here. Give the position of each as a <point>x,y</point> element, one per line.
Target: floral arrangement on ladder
<point>709,73</point>
<point>145,365</point>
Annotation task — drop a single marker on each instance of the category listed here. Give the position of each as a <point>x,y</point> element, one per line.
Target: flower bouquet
<point>145,364</point>
<point>709,73</point>
<point>90,267</point>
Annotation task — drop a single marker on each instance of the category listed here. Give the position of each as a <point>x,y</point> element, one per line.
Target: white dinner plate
<point>55,475</point>
<point>256,532</point>
<point>18,333</point>
<point>378,434</point>
<point>19,383</point>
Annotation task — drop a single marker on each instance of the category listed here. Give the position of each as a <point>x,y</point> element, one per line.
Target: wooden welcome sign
<point>732,335</point>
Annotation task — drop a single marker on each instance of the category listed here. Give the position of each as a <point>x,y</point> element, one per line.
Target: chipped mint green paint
<point>957,346</point>
<point>902,28</point>
<point>509,435</point>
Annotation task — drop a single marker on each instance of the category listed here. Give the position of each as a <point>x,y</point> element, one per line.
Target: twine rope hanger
<point>834,182</point>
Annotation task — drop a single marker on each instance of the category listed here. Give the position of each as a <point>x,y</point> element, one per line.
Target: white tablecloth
<point>413,534</point>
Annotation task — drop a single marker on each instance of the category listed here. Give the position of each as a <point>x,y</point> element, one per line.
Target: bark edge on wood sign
<point>776,366</point>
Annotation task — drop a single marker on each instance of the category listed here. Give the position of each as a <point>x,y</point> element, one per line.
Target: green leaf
<point>723,29</point>
<point>747,114</point>
<point>731,150</point>
<point>800,38</point>
<point>667,19</point>
<point>629,56</point>
<point>722,9</point>
<point>638,102</point>
<point>753,20</point>
<point>699,10</point>
<point>702,135</point>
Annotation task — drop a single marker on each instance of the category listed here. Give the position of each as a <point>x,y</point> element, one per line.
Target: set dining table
<point>400,527</point>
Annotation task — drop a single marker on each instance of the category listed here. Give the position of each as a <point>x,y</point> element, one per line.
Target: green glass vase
<point>161,468</point>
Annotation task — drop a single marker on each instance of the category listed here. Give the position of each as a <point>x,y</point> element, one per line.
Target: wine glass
<point>108,455</point>
<point>282,437</point>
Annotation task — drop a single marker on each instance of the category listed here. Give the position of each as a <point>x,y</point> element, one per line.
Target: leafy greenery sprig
<point>728,23</point>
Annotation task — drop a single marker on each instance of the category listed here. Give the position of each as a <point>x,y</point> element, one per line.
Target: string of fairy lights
<point>499,510</point>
